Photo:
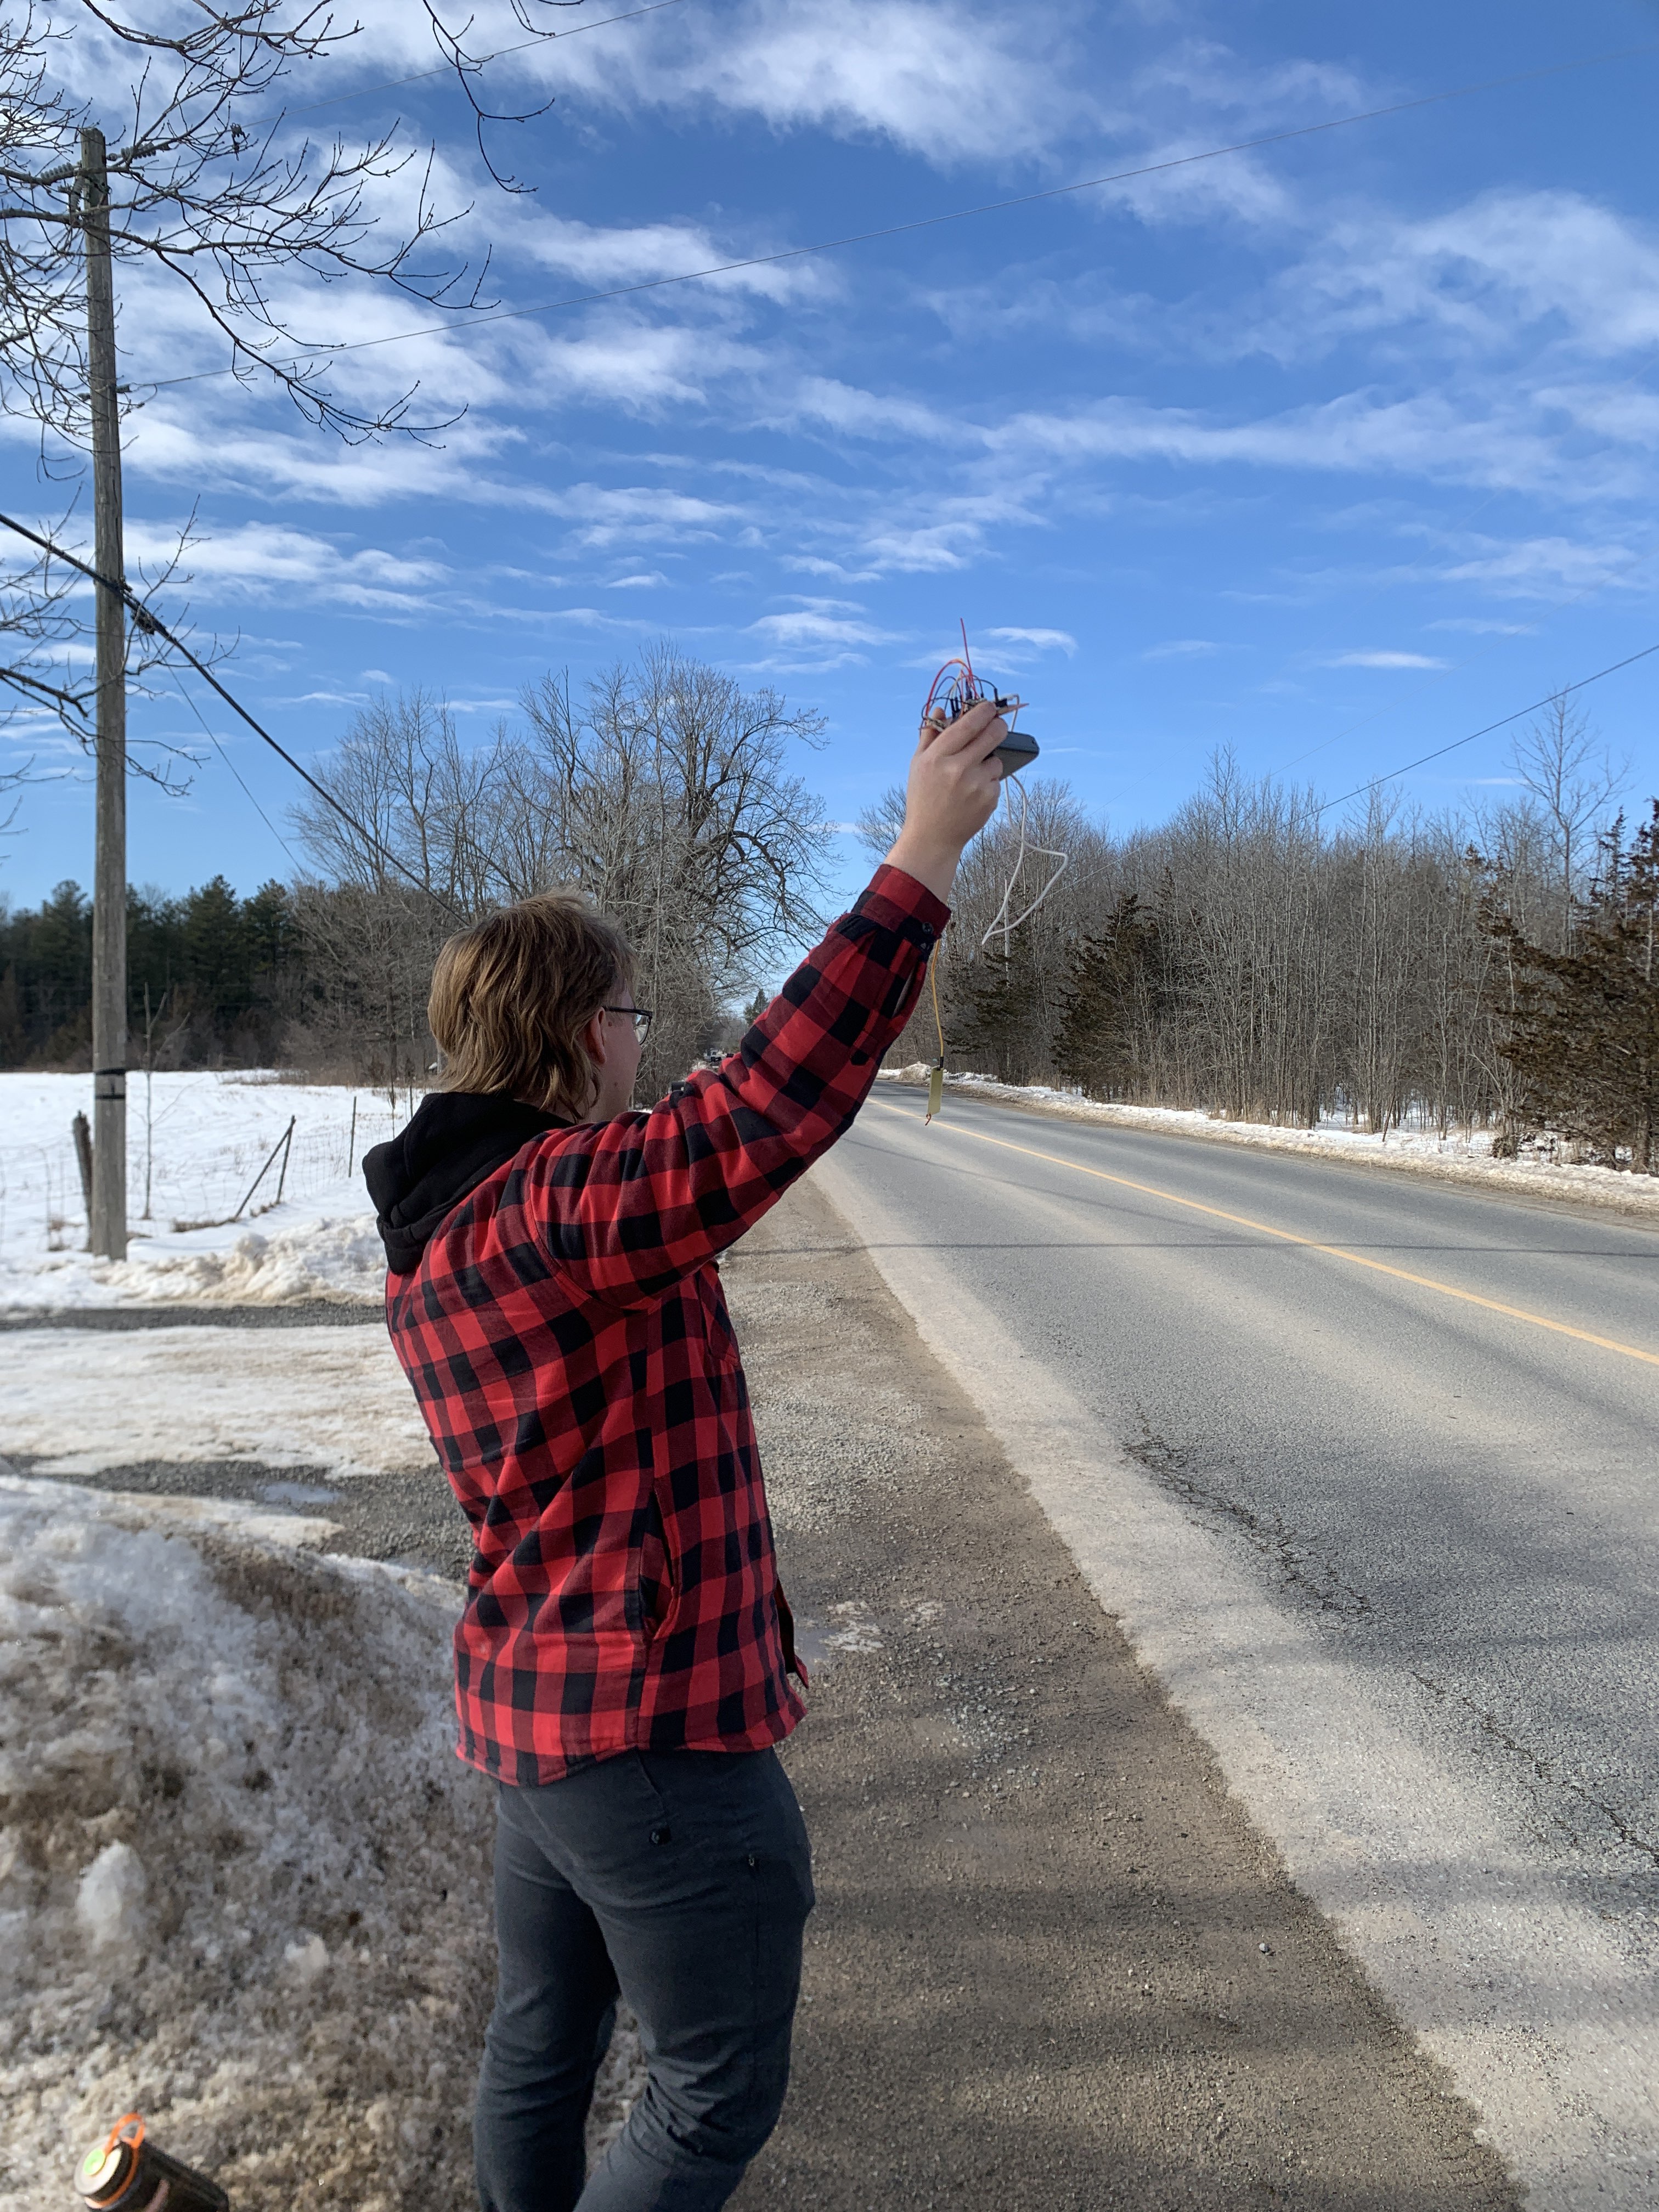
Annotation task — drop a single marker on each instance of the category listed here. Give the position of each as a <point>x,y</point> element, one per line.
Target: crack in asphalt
<point>1543,1767</point>
<point>1323,1586</point>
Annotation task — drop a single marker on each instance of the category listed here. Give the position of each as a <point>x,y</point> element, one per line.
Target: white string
<point>1001,925</point>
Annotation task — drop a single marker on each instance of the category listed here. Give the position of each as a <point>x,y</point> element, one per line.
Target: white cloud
<point>1474,626</point>
<point>920,73</point>
<point>1545,567</point>
<point>1044,641</point>
<point>262,561</point>
<point>800,627</point>
<point>1183,648</point>
<point>596,618</point>
<point>602,516</point>
<point>1552,262</point>
<point>1382,659</point>
<point>599,258</point>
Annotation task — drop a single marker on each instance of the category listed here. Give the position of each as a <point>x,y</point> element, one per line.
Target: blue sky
<point>1327,453</point>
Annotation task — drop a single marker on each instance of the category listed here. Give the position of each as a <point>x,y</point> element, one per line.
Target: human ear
<point>594,1041</point>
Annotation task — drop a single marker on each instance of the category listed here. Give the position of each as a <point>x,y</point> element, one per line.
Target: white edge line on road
<point>1514,1982</point>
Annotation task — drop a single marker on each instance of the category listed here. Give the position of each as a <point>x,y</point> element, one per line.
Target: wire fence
<point>194,1151</point>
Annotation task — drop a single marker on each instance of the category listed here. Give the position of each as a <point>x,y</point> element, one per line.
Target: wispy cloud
<point>1381,659</point>
<point>276,562</point>
<point>1476,626</point>
<point>910,71</point>
<point>822,626</point>
<point>1043,640</point>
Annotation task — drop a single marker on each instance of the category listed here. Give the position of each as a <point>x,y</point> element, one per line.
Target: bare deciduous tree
<point>1573,777</point>
<point>211,186</point>
<point>664,794</point>
<point>214,192</point>
<point>1249,957</point>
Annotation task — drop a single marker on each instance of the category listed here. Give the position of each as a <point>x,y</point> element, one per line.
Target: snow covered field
<point>207,1137</point>
<point>1464,1156</point>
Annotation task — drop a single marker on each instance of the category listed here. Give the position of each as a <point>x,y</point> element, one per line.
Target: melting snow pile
<point>244,1881</point>
<point>332,1399</point>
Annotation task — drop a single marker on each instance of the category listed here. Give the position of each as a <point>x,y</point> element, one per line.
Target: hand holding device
<point>955,780</point>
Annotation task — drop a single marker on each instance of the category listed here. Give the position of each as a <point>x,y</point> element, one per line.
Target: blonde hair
<point>511,995</point>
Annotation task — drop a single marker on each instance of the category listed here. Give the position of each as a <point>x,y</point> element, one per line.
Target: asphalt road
<point>1393,1548</point>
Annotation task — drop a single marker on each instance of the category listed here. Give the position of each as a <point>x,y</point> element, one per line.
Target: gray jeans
<point>683,1880</point>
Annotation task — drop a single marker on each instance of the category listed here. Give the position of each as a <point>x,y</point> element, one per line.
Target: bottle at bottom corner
<point>127,2172</point>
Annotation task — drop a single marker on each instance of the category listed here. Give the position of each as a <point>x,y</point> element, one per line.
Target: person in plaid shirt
<point>624,1661</point>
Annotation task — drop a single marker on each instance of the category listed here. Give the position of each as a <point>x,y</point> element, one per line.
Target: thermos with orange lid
<point>127,2173</point>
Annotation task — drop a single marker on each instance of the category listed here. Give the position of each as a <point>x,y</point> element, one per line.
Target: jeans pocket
<point>654,1816</point>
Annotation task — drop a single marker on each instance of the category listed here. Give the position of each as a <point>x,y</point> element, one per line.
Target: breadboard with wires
<point>955,689</point>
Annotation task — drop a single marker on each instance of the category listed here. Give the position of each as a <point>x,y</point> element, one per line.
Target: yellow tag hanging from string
<point>936,1076</point>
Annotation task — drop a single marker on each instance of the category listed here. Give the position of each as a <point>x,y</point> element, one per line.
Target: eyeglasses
<point>640,1016</point>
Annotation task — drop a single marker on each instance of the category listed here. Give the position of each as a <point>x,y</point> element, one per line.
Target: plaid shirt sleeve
<point>653,1195</point>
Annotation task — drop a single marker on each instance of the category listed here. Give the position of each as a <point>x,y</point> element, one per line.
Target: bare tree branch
<point>215,192</point>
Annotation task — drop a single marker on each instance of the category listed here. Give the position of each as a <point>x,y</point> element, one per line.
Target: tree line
<point>1258,960</point>
<point>210,974</point>
<point>663,792</point>
<point>1252,956</point>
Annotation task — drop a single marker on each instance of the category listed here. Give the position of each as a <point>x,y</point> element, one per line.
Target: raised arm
<point>639,1199</point>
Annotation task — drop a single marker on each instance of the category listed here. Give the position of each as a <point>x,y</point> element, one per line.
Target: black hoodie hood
<point>456,1140</point>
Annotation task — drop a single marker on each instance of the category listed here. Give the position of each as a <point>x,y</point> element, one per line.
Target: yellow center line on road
<point>1290,1236</point>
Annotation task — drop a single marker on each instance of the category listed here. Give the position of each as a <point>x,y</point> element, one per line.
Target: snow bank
<point>1462,1156</point>
<point>244,1881</point>
<point>299,1252</point>
<point>208,1136</point>
<point>334,1398</point>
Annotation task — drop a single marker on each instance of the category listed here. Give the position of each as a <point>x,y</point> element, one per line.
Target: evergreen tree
<point>1582,1030</point>
<point>213,941</point>
<point>1112,997</point>
<point>57,978</point>
<point>995,1012</point>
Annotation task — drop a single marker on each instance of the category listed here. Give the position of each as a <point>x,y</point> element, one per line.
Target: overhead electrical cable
<point>224,754</point>
<point>931,221</point>
<point>144,620</point>
<point>1463,522</point>
<point>1561,691</point>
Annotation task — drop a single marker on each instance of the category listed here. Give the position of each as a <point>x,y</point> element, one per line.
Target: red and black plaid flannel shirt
<point>567,1340</point>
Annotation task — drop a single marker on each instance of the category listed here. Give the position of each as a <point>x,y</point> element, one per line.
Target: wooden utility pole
<point>109,891</point>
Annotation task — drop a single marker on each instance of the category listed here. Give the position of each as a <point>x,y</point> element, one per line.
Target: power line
<point>146,621</point>
<point>224,754</point>
<point>933,221</point>
<point>1561,691</point>
<point>1461,522</point>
